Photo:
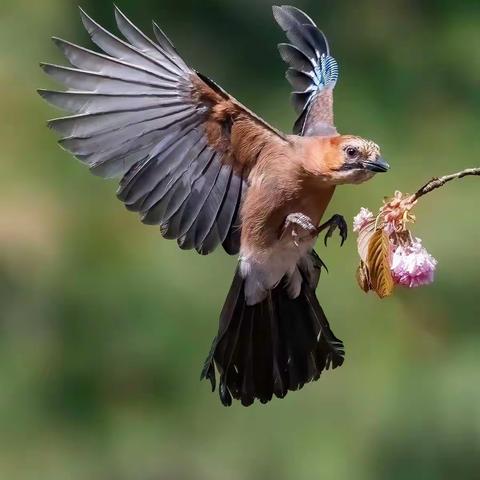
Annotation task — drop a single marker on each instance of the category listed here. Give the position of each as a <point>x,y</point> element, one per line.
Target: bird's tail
<point>272,347</point>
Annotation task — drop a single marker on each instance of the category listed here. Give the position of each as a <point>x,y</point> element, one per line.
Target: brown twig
<point>439,182</point>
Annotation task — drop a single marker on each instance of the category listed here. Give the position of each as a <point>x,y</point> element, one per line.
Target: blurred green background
<point>104,326</point>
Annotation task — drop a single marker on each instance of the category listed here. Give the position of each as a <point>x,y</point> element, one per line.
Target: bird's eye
<point>351,152</point>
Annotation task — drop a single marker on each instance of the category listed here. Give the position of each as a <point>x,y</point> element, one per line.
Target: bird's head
<point>354,159</point>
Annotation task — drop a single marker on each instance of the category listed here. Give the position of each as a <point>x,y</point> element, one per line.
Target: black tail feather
<point>272,347</point>
<point>279,353</point>
<point>263,354</point>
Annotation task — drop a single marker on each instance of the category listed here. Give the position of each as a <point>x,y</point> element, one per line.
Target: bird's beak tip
<point>378,166</point>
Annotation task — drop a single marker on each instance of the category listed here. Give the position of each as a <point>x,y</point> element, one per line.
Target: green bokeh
<point>104,326</point>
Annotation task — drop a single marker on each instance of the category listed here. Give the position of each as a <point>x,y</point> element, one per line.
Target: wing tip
<point>277,12</point>
<point>52,125</point>
<point>83,13</point>
<point>119,15</point>
<point>117,12</point>
<point>162,37</point>
<point>282,16</point>
<point>45,66</point>
<point>88,22</point>
<point>60,43</point>
<point>44,93</point>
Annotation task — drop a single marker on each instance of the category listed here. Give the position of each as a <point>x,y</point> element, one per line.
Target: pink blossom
<point>396,212</point>
<point>412,265</point>
<point>362,218</point>
<point>390,228</point>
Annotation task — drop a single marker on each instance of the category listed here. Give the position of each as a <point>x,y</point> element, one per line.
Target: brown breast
<point>280,185</point>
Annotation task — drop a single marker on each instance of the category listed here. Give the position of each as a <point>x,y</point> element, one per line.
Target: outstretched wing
<point>183,146</point>
<point>313,72</point>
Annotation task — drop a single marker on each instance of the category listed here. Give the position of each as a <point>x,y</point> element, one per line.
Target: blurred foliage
<point>104,326</point>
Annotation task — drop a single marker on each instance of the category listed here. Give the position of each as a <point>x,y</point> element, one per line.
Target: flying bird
<point>211,173</point>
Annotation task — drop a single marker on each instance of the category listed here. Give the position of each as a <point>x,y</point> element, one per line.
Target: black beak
<point>379,165</point>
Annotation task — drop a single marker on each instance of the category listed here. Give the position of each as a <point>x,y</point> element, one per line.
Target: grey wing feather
<point>86,102</point>
<point>89,60</point>
<point>185,159</point>
<point>87,125</point>
<point>211,209</point>
<point>82,80</point>
<point>301,82</point>
<point>175,164</point>
<point>232,240</point>
<point>313,72</point>
<point>195,203</point>
<point>218,232</point>
<point>133,115</point>
<point>164,42</point>
<point>294,57</point>
<point>172,226</point>
<point>139,40</point>
<point>121,50</point>
<point>297,14</point>
<point>141,180</point>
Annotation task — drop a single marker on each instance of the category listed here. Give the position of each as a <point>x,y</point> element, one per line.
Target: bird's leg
<point>300,227</point>
<point>337,221</point>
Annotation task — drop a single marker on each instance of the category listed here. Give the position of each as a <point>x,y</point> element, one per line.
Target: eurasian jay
<point>209,172</point>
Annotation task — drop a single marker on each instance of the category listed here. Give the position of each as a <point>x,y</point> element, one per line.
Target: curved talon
<point>337,221</point>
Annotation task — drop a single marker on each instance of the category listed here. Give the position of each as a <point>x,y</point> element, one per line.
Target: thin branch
<point>439,182</point>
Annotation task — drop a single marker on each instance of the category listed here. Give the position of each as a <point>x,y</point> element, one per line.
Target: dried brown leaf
<point>363,239</point>
<point>362,277</point>
<point>378,264</point>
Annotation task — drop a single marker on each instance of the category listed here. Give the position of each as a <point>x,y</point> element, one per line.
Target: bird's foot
<point>337,221</point>
<point>300,227</point>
